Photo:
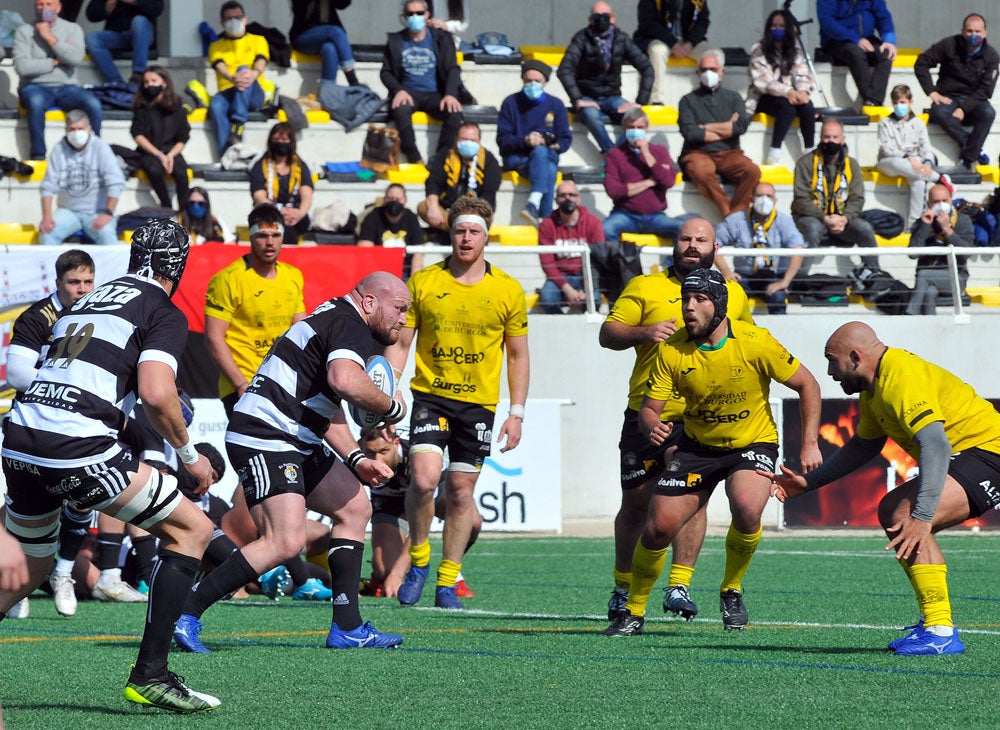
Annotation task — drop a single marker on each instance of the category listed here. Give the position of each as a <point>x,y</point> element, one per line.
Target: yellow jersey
<point>460,330</point>
<point>724,389</point>
<point>655,298</point>
<point>242,51</point>
<point>911,392</point>
<point>257,310</point>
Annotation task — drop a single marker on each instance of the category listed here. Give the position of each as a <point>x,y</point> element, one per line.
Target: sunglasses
<point>415,13</point>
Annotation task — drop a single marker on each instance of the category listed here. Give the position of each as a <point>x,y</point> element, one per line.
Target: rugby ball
<point>380,372</point>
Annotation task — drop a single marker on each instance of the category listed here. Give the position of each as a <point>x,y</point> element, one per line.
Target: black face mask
<point>567,206</point>
<point>600,22</point>
<point>393,208</point>
<point>152,92</point>
<point>831,149</point>
<point>280,149</point>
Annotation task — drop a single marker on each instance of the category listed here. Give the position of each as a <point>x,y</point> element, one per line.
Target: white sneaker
<point>117,592</point>
<point>21,609</point>
<point>773,157</point>
<point>63,593</point>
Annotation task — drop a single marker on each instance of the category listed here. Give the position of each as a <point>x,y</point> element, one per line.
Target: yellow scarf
<point>271,175</point>
<point>463,176</point>
<point>830,204</point>
<point>759,238</point>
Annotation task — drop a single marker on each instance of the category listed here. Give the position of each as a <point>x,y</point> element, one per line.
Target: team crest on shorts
<point>674,465</point>
<point>629,458</point>
<point>290,472</point>
<point>421,414</point>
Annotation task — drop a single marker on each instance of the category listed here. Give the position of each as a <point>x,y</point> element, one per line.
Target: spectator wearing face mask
<point>160,129</point>
<point>761,228</point>
<point>85,178</point>
<point>570,224</point>
<point>532,131</point>
<point>280,177</point>
<point>196,217</point>
<point>393,225</point>
<point>939,225</point>
<point>465,169</point>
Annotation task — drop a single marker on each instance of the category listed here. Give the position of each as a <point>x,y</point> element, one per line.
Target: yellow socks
<point>448,573</point>
<point>646,568</point>
<point>680,575</point>
<point>623,580</point>
<point>420,555</point>
<point>739,552</point>
<point>930,583</point>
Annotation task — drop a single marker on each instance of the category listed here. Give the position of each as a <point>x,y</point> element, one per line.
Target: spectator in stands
<point>532,131</point>
<point>455,20</point>
<point>904,150</point>
<point>670,28</point>
<point>967,75</point>
<point>569,225</point>
<point>860,34</point>
<point>196,217</point>
<point>468,168</point>
<point>939,225</point>
<point>638,174</point>
<point>239,60</point>
<point>316,29</point>
<point>829,195</point>
<point>88,181</point>
<point>420,71</point>
<point>393,225</point>
<point>128,24</point>
<point>762,227</point>
<point>46,54</point>
<point>712,119</point>
<point>280,177</point>
<point>781,83</point>
<point>160,129</point>
<point>591,73</point>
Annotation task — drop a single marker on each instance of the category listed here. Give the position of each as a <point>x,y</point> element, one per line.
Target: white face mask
<point>763,205</point>
<point>234,28</point>
<point>941,207</point>
<point>709,79</point>
<point>78,138</point>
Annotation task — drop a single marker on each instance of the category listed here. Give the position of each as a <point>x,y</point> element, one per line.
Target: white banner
<point>28,273</point>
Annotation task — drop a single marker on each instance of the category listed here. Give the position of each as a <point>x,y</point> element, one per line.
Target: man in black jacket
<point>967,74</point>
<point>420,71</point>
<point>670,28</point>
<point>591,73</point>
<point>128,24</point>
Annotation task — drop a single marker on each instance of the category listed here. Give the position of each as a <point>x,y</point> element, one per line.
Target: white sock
<point>112,575</point>
<point>535,199</point>
<point>940,630</point>
<point>63,566</point>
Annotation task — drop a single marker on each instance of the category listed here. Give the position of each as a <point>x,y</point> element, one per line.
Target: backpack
<point>886,223</point>
<point>113,95</point>
<point>887,293</point>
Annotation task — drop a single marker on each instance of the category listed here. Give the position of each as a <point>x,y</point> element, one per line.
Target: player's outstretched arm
<point>786,484</point>
<point>649,421</point>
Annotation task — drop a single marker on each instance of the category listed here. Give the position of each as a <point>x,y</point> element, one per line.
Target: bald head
<point>853,353</point>
<point>382,284</point>
<point>383,300</point>
<point>600,8</point>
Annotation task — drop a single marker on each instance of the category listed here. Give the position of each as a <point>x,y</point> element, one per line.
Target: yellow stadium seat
<point>661,116</point>
<point>516,178</point>
<point>551,55</point>
<point>55,115</point>
<point>906,57</point>
<point>18,233</point>
<point>424,118</point>
<point>683,61</point>
<point>197,116</point>
<point>990,173</point>
<point>903,239</point>
<point>300,57</point>
<point>646,239</point>
<point>531,300</point>
<point>988,296</point>
<point>776,175</point>
<point>514,235</point>
<point>407,174</point>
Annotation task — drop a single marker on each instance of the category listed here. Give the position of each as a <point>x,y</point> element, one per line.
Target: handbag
<point>381,149</point>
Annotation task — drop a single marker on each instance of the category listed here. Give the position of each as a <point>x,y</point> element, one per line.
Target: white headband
<point>471,218</point>
<point>257,228</point>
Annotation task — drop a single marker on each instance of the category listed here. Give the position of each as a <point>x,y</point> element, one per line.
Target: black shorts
<point>34,491</point>
<point>264,474</point>
<point>640,459</point>
<point>695,467</point>
<point>389,509</point>
<point>978,472</point>
<point>465,429</point>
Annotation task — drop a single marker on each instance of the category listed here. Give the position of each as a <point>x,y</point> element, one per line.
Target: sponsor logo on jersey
<point>735,372</point>
<point>453,387</point>
<point>15,465</point>
<point>430,427</point>
<point>693,481</point>
<point>685,371</point>
<point>457,355</point>
<point>708,416</point>
<point>108,298</point>
<point>52,393</point>
<point>672,482</point>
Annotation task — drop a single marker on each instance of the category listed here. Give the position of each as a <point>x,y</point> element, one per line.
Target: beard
<point>683,267</point>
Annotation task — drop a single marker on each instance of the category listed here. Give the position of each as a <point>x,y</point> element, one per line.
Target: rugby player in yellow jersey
<point>954,435</point>
<point>645,315</point>
<point>465,314</point>
<point>723,370</point>
<point>249,303</point>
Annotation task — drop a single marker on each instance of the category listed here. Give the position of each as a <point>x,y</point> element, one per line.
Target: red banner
<point>329,271</point>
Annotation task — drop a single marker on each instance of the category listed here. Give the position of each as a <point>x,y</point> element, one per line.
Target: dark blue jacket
<point>519,116</point>
<point>852,20</point>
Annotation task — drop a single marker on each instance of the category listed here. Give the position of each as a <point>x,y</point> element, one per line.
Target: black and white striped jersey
<point>33,329</point>
<point>289,403</point>
<point>87,385</point>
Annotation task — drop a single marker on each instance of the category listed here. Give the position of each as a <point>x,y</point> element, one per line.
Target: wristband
<point>107,211</point>
<point>353,459</point>
<point>395,413</point>
<point>188,454</point>
<point>517,411</point>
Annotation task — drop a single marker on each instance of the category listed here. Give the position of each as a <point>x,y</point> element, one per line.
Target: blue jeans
<point>540,166</point>
<point>233,107</point>
<point>551,299</point>
<point>333,46</point>
<point>139,37</point>
<point>755,285</point>
<point>37,99</point>
<point>69,222</point>
<point>591,117</point>
<point>622,221</point>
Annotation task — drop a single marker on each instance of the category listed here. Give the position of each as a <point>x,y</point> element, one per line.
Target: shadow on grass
<point>88,709</point>
<point>757,648</point>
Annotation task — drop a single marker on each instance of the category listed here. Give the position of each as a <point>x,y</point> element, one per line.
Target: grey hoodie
<point>84,179</point>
